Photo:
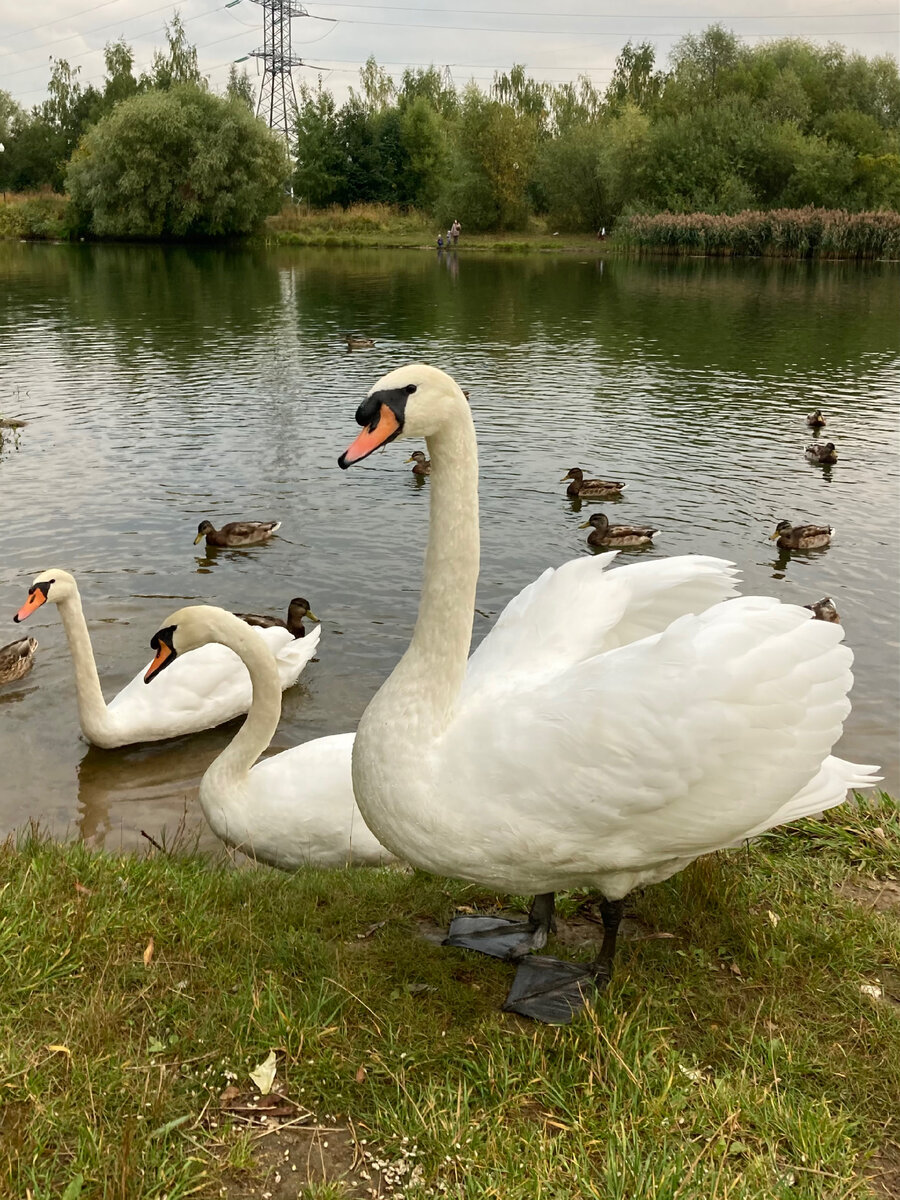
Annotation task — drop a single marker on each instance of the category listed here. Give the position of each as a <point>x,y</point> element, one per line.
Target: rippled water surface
<point>164,386</point>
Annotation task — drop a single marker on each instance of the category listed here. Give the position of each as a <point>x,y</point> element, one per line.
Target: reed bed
<point>789,233</point>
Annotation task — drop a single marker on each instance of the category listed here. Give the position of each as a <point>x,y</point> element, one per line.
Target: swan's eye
<point>410,388</point>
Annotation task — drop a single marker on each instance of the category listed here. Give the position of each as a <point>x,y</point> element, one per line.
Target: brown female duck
<point>590,489</point>
<point>801,537</point>
<point>604,534</point>
<point>824,610</point>
<point>423,464</point>
<point>17,659</point>
<point>824,454</point>
<point>236,533</point>
<point>816,420</point>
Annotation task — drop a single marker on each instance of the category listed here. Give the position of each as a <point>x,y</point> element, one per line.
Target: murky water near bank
<point>168,385</point>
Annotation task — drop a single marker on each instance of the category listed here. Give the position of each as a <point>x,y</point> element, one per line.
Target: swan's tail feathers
<point>293,656</point>
<point>827,789</point>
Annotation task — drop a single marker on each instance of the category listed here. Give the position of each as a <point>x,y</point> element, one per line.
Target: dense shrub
<point>182,163</point>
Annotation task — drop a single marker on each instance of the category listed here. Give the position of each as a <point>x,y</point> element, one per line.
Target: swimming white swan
<point>551,765</point>
<point>293,809</point>
<point>206,689</point>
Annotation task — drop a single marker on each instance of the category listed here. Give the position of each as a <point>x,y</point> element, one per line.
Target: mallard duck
<point>612,727</point>
<point>206,689</point>
<point>294,809</point>
<point>824,610</point>
<point>816,420</point>
<point>356,341</point>
<point>17,659</point>
<point>801,537</point>
<point>297,610</point>
<point>12,423</point>
<point>236,533</point>
<point>604,534</point>
<point>423,464</point>
<point>823,454</point>
<point>590,489</point>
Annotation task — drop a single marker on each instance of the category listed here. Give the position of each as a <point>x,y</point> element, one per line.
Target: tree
<point>178,63</point>
<point>320,176</point>
<point>240,87</point>
<point>634,79</point>
<point>181,164</point>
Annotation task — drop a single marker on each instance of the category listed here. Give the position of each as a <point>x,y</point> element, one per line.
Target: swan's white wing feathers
<point>297,809</point>
<point>202,688</point>
<point>674,745</point>
<point>580,609</point>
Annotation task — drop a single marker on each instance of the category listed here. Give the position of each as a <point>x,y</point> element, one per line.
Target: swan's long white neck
<point>427,680</point>
<point>226,776</point>
<point>92,711</point>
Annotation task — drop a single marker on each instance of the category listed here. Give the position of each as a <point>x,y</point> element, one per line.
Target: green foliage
<point>722,128</point>
<point>181,164</point>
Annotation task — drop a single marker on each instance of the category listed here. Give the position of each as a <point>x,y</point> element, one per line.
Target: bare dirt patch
<point>883,1173</point>
<point>877,895</point>
<point>291,1159</point>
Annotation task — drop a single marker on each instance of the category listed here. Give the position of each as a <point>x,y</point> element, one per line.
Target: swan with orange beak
<point>519,770</point>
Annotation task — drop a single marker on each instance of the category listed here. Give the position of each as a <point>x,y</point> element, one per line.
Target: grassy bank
<point>785,233</point>
<point>735,1055</point>
<point>384,227</point>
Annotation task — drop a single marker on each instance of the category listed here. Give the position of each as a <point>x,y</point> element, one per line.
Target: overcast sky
<point>474,40</point>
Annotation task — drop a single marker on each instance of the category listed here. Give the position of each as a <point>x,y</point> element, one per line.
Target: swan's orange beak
<point>36,597</point>
<point>385,427</point>
<point>164,656</point>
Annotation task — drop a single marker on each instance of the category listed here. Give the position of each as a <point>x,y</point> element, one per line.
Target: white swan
<point>552,765</point>
<point>295,808</point>
<point>205,690</point>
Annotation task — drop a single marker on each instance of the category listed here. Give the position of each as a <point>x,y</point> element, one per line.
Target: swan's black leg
<point>553,991</point>
<point>501,938</point>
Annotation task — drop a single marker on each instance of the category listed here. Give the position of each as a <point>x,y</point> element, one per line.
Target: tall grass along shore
<point>748,1048</point>
<point>787,233</point>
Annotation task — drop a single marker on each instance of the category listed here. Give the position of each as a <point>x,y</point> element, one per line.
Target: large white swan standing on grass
<point>293,809</point>
<point>571,754</point>
<point>207,689</point>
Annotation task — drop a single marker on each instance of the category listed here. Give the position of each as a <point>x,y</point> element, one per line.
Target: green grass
<point>737,1059</point>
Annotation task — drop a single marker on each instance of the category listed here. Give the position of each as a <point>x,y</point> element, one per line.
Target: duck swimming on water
<point>590,489</point>
<point>604,534</point>
<point>236,533</point>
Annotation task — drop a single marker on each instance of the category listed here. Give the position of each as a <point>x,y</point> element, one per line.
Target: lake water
<point>168,385</point>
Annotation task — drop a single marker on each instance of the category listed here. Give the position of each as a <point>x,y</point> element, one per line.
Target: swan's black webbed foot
<point>553,991</point>
<point>500,938</point>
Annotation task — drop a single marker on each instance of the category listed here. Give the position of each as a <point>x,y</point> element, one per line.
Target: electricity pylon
<point>277,98</point>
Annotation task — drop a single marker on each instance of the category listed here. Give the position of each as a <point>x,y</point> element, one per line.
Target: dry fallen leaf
<point>773,918</point>
<point>148,953</point>
<point>59,1049</point>
<point>82,890</point>
<point>264,1075</point>
<point>372,928</point>
<point>872,989</point>
<point>734,969</point>
<point>360,1074</point>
